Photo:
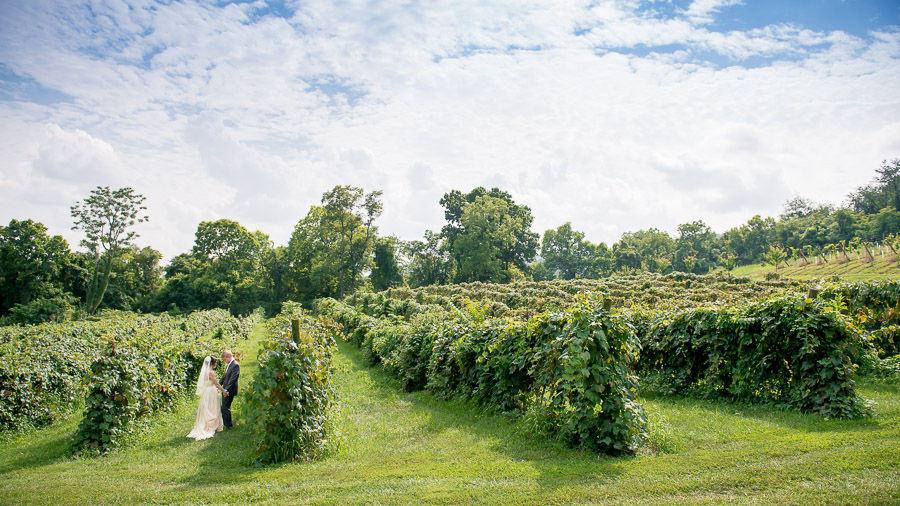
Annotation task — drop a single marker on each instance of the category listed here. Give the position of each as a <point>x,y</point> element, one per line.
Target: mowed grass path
<point>400,448</point>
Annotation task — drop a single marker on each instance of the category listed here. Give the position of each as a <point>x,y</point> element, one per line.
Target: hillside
<point>885,267</point>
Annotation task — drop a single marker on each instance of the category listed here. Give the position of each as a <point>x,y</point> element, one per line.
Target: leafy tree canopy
<point>31,263</point>
<point>106,217</point>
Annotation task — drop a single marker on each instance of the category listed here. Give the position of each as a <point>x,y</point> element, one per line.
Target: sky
<point>614,115</point>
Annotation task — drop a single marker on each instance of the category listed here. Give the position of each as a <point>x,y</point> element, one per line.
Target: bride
<point>209,414</point>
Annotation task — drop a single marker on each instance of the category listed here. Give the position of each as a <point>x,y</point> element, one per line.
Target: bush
<point>581,362</point>
<point>289,398</point>
<point>52,309</point>
<point>788,351</point>
<point>127,383</point>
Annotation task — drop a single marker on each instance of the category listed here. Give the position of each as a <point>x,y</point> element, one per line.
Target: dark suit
<point>230,384</point>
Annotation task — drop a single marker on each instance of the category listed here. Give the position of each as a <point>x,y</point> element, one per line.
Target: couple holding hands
<point>214,413</point>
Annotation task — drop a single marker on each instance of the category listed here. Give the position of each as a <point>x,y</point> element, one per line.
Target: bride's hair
<point>213,362</point>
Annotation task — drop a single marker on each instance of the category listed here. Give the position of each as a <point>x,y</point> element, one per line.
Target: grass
<point>392,447</point>
<point>885,267</point>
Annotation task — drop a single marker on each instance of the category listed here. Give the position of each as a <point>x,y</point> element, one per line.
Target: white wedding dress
<point>209,413</point>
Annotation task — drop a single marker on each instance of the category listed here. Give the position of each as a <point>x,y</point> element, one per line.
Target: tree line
<point>336,249</point>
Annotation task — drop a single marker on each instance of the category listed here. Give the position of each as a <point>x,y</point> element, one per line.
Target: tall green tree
<point>883,223</point>
<point>231,274</point>
<point>31,264</point>
<point>650,250</point>
<point>179,291</point>
<point>493,240</point>
<point>626,255</point>
<point>603,262</point>
<point>226,268</point>
<point>884,191</point>
<point>477,247</point>
<point>749,242</point>
<point>350,214</point>
<point>225,240</point>
<point>136,278</point>
<point>696,249</point>
<point>276,280</point>
<point>565,252</point>
<point>333,245</point>
<point>312,272</point>
<point>106,217</point>
<point>490,244</point>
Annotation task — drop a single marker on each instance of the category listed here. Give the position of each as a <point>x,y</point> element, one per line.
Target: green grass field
<point>855,270</point>
<point>400,448</point>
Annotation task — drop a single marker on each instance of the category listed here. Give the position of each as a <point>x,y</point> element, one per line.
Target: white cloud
<point>75,156</point>
<point>703,11</point>
<point>213,112</point>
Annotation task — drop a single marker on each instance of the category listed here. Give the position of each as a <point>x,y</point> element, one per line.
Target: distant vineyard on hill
<point>671,291</point>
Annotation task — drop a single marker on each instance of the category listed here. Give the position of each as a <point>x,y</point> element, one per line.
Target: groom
<point>230,384</point>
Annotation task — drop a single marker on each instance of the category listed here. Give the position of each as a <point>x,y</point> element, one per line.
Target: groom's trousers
<point>226,410</point>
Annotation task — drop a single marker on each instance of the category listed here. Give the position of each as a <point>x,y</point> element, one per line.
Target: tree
<point>106,218</point>
<point>224,239</point>
<point>884,191</point>
<point>226,268</point>
<point>798,207</point>
<point>751,241</point>
<point>512,248</point>
<point>179,293</point>
<point>884,223</point>
<point>136,278</point>
<point>775,256</point>
<point>351,213</point>
<point>485,230</point>
<point>230,274</point>
<point>566,254</point>
<point>844,225</point>
<point>386,271</point>
<point>540,272</point>
<point>696,249</point>
<point>276,278</point>
<point>311,270</point>
<point>31,267</point>
<point>602,263</point>
<point>650,250</point>
<point>428,262</point>
<point>626,255</point>
<point>494,243</point>
<point>332,246</point>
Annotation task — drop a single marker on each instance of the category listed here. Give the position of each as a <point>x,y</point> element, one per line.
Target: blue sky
<point>615,115</point>
<point>851,16</point>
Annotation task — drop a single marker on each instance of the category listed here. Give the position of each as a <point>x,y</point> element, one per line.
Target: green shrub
<point>788,351</point>
<point>289,398</point>
<point>58,308</point>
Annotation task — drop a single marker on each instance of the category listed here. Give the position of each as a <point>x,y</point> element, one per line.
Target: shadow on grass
<point>768,414</point>
<point>36,447</point>
<point>554,465</point>
<point>225,459</point>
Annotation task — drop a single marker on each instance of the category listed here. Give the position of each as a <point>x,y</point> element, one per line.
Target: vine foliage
<point>290,396</point>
